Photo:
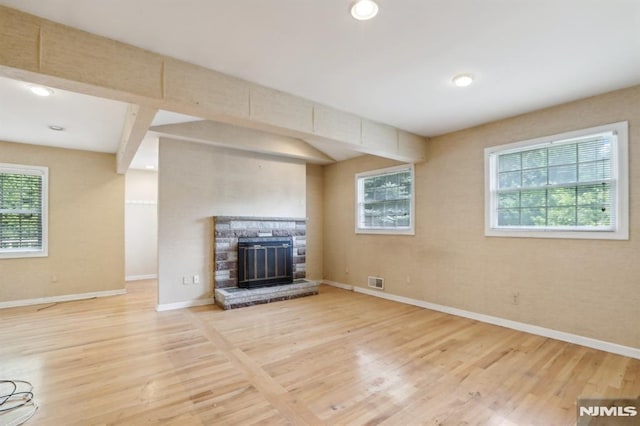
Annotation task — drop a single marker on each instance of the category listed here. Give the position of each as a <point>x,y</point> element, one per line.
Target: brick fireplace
<point>228,229</point>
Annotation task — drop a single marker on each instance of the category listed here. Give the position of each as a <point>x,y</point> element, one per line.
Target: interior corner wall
<point>86,226</point>
<point>197,182</point>
<point>315,214</point>
<point>584,287</point>
<point>141,225</point>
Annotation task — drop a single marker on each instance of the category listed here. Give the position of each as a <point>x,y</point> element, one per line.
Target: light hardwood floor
<point>336,358</point>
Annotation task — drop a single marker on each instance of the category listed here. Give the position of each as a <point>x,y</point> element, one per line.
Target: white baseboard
<point>515,325</point>
<point>339,285</point>
<point>141,277</point>
<point>185,304</point>
<point>63,298</point>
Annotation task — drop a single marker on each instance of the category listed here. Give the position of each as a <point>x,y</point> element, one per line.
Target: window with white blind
<point>23,211</point>
<point>384,201</point>
<point>571,185</point>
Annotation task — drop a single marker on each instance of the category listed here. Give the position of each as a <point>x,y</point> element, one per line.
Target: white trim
<point>589,342</point>
<point>63,298</point>
<point>142,202</point>
<point>620,161</point>
<point>141,277</point>
<point>24,253</point>
<point>42,171</point>
<point>186,304</point>
<point>338,285</point>
<point>410,230</point>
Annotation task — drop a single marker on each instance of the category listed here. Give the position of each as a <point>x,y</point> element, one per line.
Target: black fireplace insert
<point>265,261</point>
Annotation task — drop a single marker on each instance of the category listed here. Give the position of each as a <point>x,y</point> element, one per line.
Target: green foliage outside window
<point>20,211</point>
<point>385,202</point>
<point>568,185</point>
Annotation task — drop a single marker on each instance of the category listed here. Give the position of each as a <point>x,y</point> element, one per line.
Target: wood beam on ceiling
<point>242,138</point>
<point>41,51</point>
<point>136,125</point>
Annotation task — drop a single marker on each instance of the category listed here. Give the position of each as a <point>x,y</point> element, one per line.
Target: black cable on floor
<point>16,405</point>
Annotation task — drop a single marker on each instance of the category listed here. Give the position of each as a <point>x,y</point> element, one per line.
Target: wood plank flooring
<point>339,358</point>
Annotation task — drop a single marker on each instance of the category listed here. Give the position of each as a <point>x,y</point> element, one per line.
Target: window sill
<point>579,235</point>
<point>386,231</point>
<point>22,254</point>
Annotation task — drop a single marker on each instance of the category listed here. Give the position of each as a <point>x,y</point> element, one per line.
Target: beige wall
<point>586,287</point>
<point>141,224</point>
<point>86,226</point>
<point>197,182</point>
<point>315,194</point>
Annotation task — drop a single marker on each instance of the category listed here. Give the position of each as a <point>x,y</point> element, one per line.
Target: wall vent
<point>376,282</point>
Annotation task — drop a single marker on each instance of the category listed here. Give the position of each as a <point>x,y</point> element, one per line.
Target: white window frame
<point>409,230</point>
<point>35,171</point>
<point>620,177</point>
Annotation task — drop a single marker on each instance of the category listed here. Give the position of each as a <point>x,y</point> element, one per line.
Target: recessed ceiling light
<point>41,91</point>
<point>364,9</point>
<point>149,167</point>
<point>56,128</point>
<point>462,80</point>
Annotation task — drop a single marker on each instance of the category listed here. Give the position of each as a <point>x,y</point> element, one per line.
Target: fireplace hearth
<point>265,261</point>
<point>266,242</point>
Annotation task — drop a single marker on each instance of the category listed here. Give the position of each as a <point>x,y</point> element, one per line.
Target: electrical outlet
<point>186,280</point>
<point>196,279</point>
<point>408,281</point>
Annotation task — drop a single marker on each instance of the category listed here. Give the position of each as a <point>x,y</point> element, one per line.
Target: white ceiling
<point>397,68</point>
<point>90,123</point>
<point>147,155</point>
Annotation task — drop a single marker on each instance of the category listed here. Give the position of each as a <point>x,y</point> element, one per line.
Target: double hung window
<point>572,185</point>
<point>385,201</point>
<point>23,211</point>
